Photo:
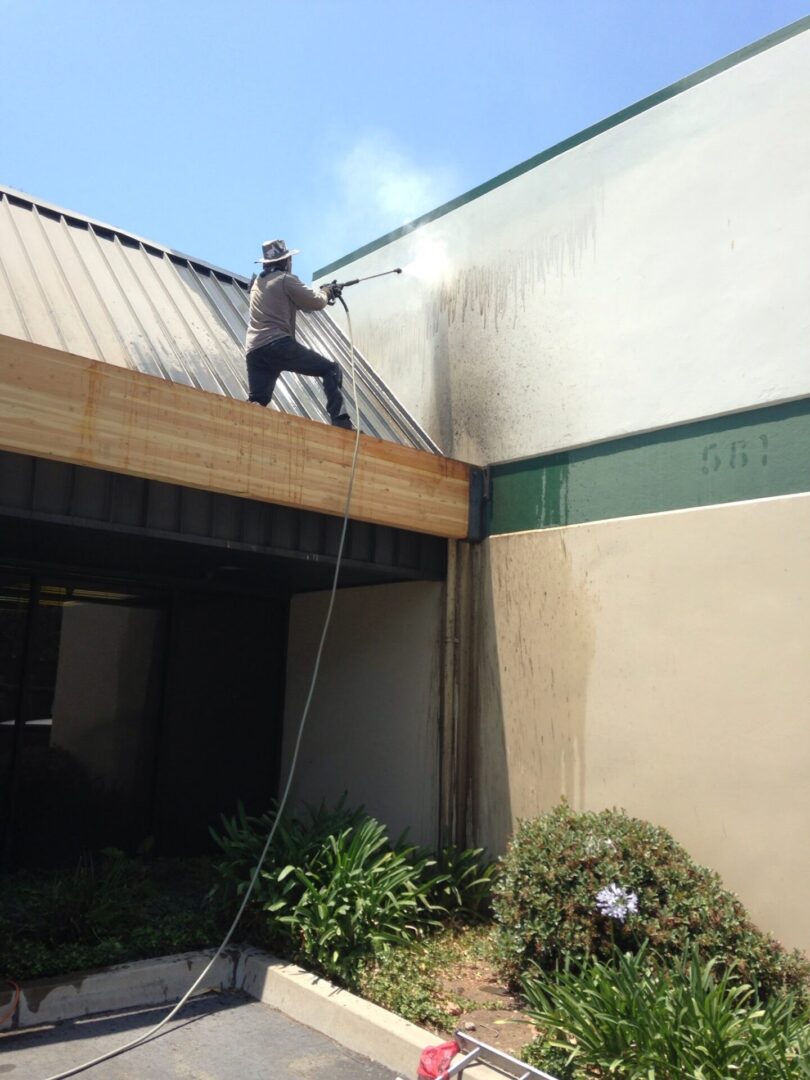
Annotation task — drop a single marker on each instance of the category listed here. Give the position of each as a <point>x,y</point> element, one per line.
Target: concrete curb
<point>356,1024</point>
<point>145,982</point>
<point>353,1023</point>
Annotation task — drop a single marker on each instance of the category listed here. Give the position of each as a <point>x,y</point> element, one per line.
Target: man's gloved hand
<point>333,292</point>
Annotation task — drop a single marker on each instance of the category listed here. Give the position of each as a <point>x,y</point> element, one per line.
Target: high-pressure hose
<point>293,761</point>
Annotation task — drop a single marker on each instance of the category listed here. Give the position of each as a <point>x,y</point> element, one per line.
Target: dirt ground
<point>485,1006</point>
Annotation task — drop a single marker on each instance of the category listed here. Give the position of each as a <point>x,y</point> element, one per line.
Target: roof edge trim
<point>702,75</point>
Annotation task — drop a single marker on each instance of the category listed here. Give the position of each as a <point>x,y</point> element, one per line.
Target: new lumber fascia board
<point>85,412</point>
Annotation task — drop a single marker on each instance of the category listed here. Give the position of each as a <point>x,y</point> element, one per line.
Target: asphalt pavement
<point>220,1036</point>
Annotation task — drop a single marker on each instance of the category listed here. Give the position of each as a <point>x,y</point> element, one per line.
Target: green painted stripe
<point>749,455</point>
<point>646,103</point>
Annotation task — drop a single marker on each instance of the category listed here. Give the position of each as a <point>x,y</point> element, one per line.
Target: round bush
<point>576,884</point>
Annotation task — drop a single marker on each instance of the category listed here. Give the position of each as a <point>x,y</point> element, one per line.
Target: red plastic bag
<point>435,1060</point>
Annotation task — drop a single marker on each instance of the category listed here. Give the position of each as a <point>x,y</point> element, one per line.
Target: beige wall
<point>660,664</point>
<point>373,729</point>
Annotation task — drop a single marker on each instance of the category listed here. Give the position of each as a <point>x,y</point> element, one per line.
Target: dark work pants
<point>265,364</point>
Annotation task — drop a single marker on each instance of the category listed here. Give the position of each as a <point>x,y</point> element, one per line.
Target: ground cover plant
<point>411,980</point>
<point>335,889</point>
<point>450,981</point>
<point>575,885</point>
<point>106,909</point>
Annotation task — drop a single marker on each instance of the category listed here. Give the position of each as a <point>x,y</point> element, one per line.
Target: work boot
<point>343,421</point>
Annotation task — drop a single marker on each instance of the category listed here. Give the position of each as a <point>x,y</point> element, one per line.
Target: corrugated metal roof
<point>94,290</point>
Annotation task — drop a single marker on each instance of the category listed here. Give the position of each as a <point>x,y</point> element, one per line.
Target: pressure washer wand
<point>337,287</point>
<point>357,280</point>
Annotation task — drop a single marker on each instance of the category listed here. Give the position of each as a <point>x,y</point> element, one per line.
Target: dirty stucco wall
<point>655,273</point>
<point>661,664</point>
<point>373,728</point>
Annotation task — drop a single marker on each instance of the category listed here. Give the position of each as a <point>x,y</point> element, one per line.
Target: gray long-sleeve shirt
<point>274,300</point>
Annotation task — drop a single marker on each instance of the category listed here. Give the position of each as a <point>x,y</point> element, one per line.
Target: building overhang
<point>67,408</point>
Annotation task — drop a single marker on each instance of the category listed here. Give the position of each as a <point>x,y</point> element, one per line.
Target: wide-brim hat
<point>275,251</point>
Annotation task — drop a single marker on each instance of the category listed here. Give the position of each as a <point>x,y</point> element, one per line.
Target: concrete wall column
<point>373,729</point>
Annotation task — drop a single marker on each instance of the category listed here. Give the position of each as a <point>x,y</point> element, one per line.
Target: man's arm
<point>304,297</point>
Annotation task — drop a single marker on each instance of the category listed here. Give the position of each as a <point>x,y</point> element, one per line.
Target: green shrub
<point>463,882</point>
<point>554,1059</point>
<point>628,1018</point>
<point>546,901</point>
<point>356,897</point>
<point>243,838</point>
<point>334,889</point>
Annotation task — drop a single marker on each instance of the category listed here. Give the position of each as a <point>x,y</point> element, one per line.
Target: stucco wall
<point>653,274</point>
<point>660,664</point>
<point>373,729</point>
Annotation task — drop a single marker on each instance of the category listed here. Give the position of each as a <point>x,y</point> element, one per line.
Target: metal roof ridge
<point>35,200</point>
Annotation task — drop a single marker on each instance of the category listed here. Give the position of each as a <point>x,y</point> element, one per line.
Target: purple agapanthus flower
<point>616,902</point>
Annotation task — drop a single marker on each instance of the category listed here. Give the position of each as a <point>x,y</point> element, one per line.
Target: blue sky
<point>210,127</point>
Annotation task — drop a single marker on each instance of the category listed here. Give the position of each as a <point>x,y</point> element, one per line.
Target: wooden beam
<point>68,408</point>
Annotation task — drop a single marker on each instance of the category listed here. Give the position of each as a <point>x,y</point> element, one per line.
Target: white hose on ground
<point>293,762</point>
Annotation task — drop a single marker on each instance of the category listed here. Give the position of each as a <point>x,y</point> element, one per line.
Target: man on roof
<point>276,296</point>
